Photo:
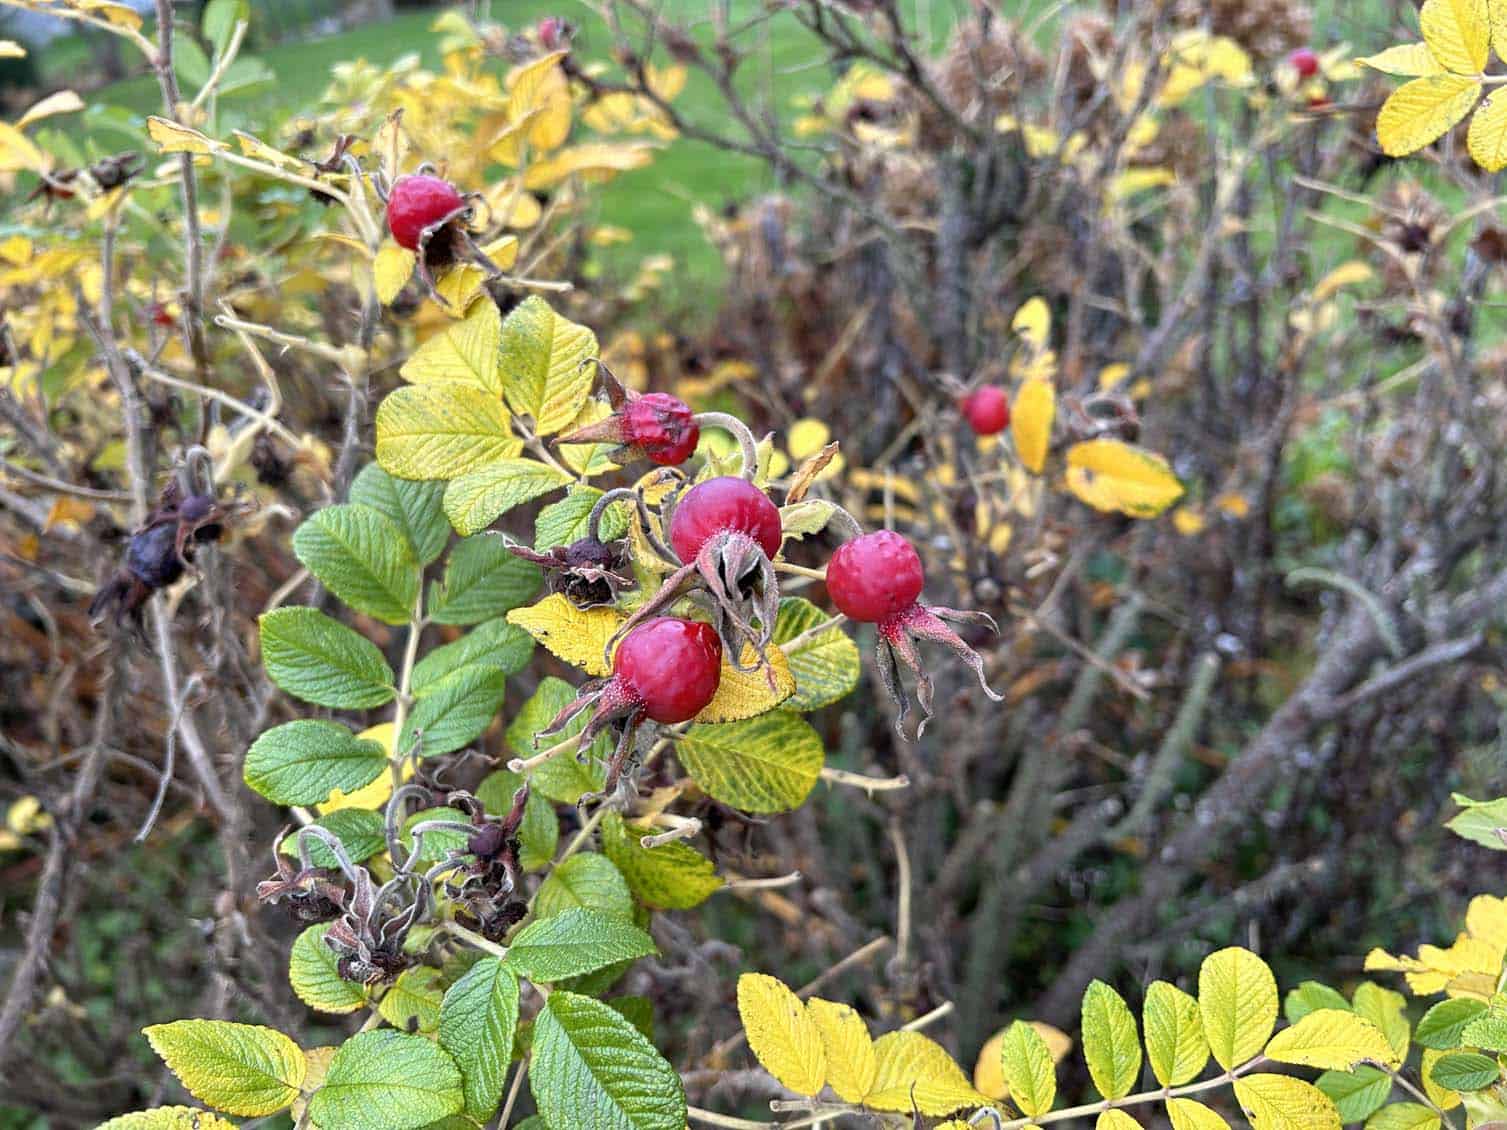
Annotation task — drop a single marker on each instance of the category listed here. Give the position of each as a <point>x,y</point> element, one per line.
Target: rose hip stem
<point>739,431</point>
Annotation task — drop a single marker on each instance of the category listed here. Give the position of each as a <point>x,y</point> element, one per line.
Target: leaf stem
<point>475,940</point>
<point>405,676</point>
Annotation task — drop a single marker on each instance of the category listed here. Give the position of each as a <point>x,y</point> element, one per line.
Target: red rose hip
<point>875,576</point>
<point>672,666</point>
<point>1304,61</point>
<point>662,427</point>
<point>418,202</point>
<point>987,410</point>
<point>724,505</point>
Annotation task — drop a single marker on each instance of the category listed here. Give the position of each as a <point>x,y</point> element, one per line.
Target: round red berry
<point>551,32</point>
<point>663,427</point>
<point>719,505</point>
<point>875,576</point>
<point>417,202</point>
<point>673,666</point>
<point>161,316</point>
<point>987,410</point>
<point>1304,61</point>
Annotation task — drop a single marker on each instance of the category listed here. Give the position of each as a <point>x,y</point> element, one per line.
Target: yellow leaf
<point>1280,1102</point>
<point>374,795</point>
<point>120,15</point>
<point>807,437</point>
<point>1408,60</point>
<point>1114,476</point>
<point>17,152</point>
<point>1033,322</point>
<point>10,49</point>
<point>782,1034</point>
<point>1346,274</point>
<point>173,138</point>
<point>1487,137</point>
<point>1031,423</point>
<point>988,1076</point>
<point>597,162</point>
<point>747,694</point>
<point>541,86</point>
<point>911,1067</point>
<point>1116,1120</point>
<point>1457,34</point>
<point>1497,13</point>
<point>1237,1001</point>
<point>458,287</point>
<point>1112,375</point>
<point>391,146</point>
<point>258,149</point>
<point>442,431</point>
<point>1188,521</point>
<point>851,1063</point>
<point>1486,920</point>
<point>1418,113</point>
<point>1333,1039</point>
<point>577,635</point>
<point>464,351</point>
<point>392,268</point>
<point>1186,1114</point>
<point>63,102</point>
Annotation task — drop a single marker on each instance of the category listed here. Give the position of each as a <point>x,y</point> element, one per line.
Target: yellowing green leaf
<point>1237,1000</point>
<point>464,351</point>
<point>17,151</point>
<point>988,1073</point>
<point>673,876</point>
<point>1457,34</point>
<point>1114,476</point>
<point>1346,274</point>
<point>764,764</point>
<point>1280,1102</point>
<point>540,89</point>
<point>542,366</point>
<point>173,138</point>
<point>1420,112</point>
<point>475,500</point>
<point>1441,1097</point>
<point>782,1033</point>
<point>1031,423</point>
<point>913,1069</point>
<point>1111,1044</point>
<point>442,431</point>
<point>1333,1039</point>
<point>238,1068</point>
<point>747,694</point>
<point>1175,1041</point>
<point>1188,1114</point>
<point>169,1118</point>
<point>1029,1071</point>
<point>391,270</point>
<point>1116,1120</point>
<point>578,636</point>
<point>1386,1010</point>
<point>1487,136</point>
<point>852,1065</point>
<point>1404,1116</point>
<point>1407,60</point>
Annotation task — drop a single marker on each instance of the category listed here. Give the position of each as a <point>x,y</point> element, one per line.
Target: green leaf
<point>1404,1116</point>
<point>1442,1025</point>
<point>482,580</point>
<point>246,73</point>
<point>478,1020</point>
<point>562,779</point>
<point>301,762</point>
<point>1309,997</point>
<point>359,830</point>
<point>238,1068</point>
<point>455,711</point>
<point>567,521</point>
<point>1028,1068</point>
<point>387,1080</point>
<point>1356,1094</point>
<point>539,834</point>
<point>494,644</point>
<point>412,1002</point>
<point>1175,1041</point>
<point>1482,822</point>
<point>220,18</point>
<point>171,1118</point>
<point>190,64</point>
<point>542,368</point>
<point>315,976</point>
<point>318,660</point>
<point>674,876</point>
<point>765,764</point>
<point>639,1012</point>
<point>1237,999</point>
<point>1465,1071</point>
<point>1489,1030</point>
<point>574,942</point>
<point>826,665</point>
<point>585,880</point>
<point>592,1067</point>
<point>442,431</point>
<point>475,500</point>
<point>1387,1010</point>
<point>412,505</point>
<point>363,559</point>
<point>1111,1044</point>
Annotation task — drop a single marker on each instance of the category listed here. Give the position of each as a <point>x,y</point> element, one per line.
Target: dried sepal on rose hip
<point>724,535</point>
<point>654,426</point>
<point>665,670</point>
<point>429,216</point>
<point>483,879</point>
<point>877,579</point>
<point>588,572</point>
<point>313,894</point>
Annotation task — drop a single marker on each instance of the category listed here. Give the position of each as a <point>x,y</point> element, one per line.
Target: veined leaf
<point>1111,475</point>
<point>411,505</point>
<point>578,636</point>
<point>539,834</point>
<point>852,1065</point>
<point>1029,1070</point>
<point>465,351</point>
<point>300,762</point>
<point>391,269</point>
<point>1487,137</point>
<point>588,880</point>
<point>1358,1094</point>
<point>1175,1041</point>
<point>1308,997</point>
<point>1441,1097</point>
<point>542,366</point>
<point>781,1032</point>
<point>1280,1102</point>
<point>475,500</point>
<point>575,942</point>
<point>563,779</point>
<point>1111,1044</point>
<point>412,1002</point>
<point>766,764</point>
<point>238,1068</point>
<point>1237,1000</point>
<point>1465,1071</point>
<point>322,661</point>
<point>748,694</point>
<point>988,1070</point>
<point>1115,1120</point>
<point>387,1080</point>
<point>1442,1025</point>
<point>1332,1039</point>
<point>1404,1116</point>
<point>1189,1114</point>
<point>1457,34</point>
<point>169,1118</point>
<point>1386,1010</point>
<point>442,431</point>
<point>674,876</point>
<point>1406,60</point>
<point>495,644</point>
<point>313,973</point>
<point>362,558</point>
<point>478,1019</point>
<point>915,1073</point>
<point>454,711</point>
<point>482,580</point>
<point>359,831</point>
<point>1420,112</point>
<point>825,663</point>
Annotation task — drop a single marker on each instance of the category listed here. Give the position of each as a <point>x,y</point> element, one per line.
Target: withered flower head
<point>588,572</point>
